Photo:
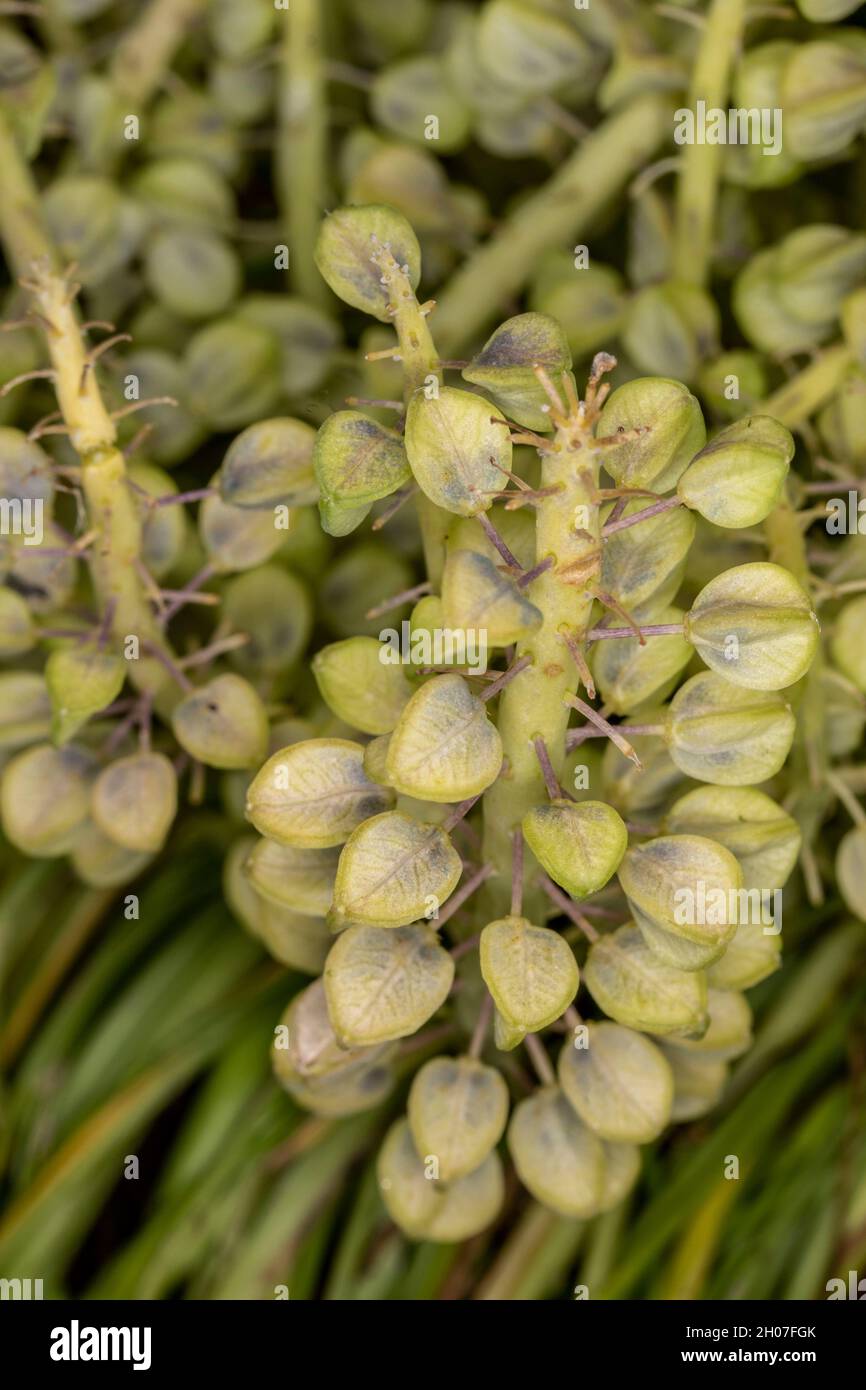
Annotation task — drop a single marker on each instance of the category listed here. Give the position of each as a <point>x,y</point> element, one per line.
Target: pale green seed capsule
<point>17,628</point>
<point>300,879</point>
<point>851,870</point>
<point>357,581</point>
<point>557,1157</point>
<point>816,267</point>
<point>238,538</point>
<point>134,801</point>
<point>506,1036</point>
<point>359,687</point>
<point>758,81</point>
<point>313,794</point>
<point>403,94</point>
<point>274,610</point>
<point>192,271</point>
<point>755,626</point>
<point>308,337</point>
<point>26,472</point>
<point>643,565</point>
<point>188,125</point>
<point>734,382</point>
<point>459,449</point>
<point>457,1111</point>
<point>639,792</point>
<point>580,846</point>
<point>764,839</point>
<point>750,956</point>
<point>270,463</point>
<point>530,971</point>
<point>444,747</point>
<point>163,529</point>
<point>671,431</point>
<point>382,985</point>
<point>729,1033</point>
<point>505,367</point>
<point>92,224</point>
<point>394,870</point>
<point>721,733</point>
<point>25,709</point>
<point>685,885</point>
<point>27,83</point>
<point>44,577</point>
<point>429,1210</point>
<point>636,989</point>
<point>232,371</point>
<point>222,723</point>
<point>846,643</point>
<point>677,951</point>
<point>409,179</point>
<point>842,422</point>
<point>82,680</point>
<point>698,1082</point>
<point>44,799</point>
<point>737,479</point>
<point>590,305</point>
<point>320,1074</point>
<point>853,317</point>
<point>376,759</point>
<point>357,461</point>
<point>671,328</point>
<point>621,1172</point>
<point>824,94</point>
<point>477,597</point>
<point>618,1082</point>
<point>347,239</point>
<point>174,431</point>
<point>239,28</point>
<point>184,192</point>
<point>551,52</point>
<point>294,939</point>
<point>101,862</point>
<point>630,676</point>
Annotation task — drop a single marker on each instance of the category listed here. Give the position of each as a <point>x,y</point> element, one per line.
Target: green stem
<point>796,402</point>
<point>302,147</point>
<point>560,211</point>
<point>697,188</point>
<point>21,227</point>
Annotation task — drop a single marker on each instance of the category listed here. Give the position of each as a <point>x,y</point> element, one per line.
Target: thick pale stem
<point>302,147</point>
<point>143,55</point>
<point>559,212</point>
<point>697,188</point>
<point>533,705</point>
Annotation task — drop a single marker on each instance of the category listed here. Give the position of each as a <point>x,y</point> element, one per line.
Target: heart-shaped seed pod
<point>842,422</point>
<point>357,461</point>
<point>134,801</point>
<point>188,124</point>
<point>505,367</point>
<point>164,529</point>
<point>359,580</point>
<point>426,1209</point>
<point>183,192</point>
<point>764,839</point>
<point>382,985</point>
<point>409,179</point>
<point>92,224</point>
<point>579,845</point>
<point>404,93</point>
<point>478,597</point>
<point>698,1082</point>
<point>530,971</point>
<point>393,870</point>
<point>640,792</point>
<point>729,1033</point>
<point>274,612</point>
<point>103,863</point>
<point>293,938</point>
<point>45,799</point>
<point>376,759</point>
<point>344,249</point>
<point>618,1082</point>
<point>459,449</point>
<point>192,271</point>
<point>237,538</point>
<point>232,370</point>
<point>630,675</point>
<point>589,306</point>
<point>621,1172</point>
<point>557,1157</point>
<point>457,1111</point>
<point>314,794</point>
<point>17,628</point>
<point>846,644</point>
<point>443,747</point>
<point>851,870</point>
<point>25,709</point>
<point>46,577</point>
<point>636,989</point>
<point>82,680</point>
<point>552,53</point>
<point>270,463</point>
<point>308,337</point>
<point>758,79</point>
<point>686,885</point>
<point>750,956</point>
<point>721,733</point>
<point>816,267</point>
<point>678,951</point>
<point>239,28</point>
<point>671,328</point>
<point>26,475</point>
<point>321,1075</point>
<point>301,879</point>
<point>737,478</point>
<point>505,1035</point>
<point>643,565</point>
<point>172,434</point>
<point>360,687</point>
<point>741,369</point>
<point>222,723</point>
<point>663,429</point>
